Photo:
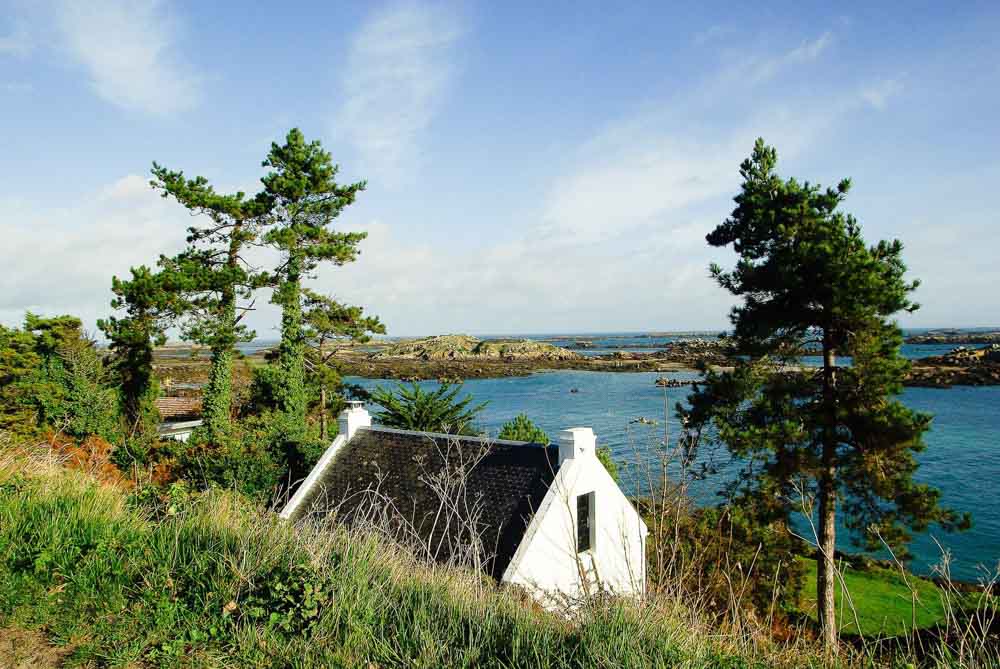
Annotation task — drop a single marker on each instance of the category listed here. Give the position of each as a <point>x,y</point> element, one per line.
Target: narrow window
<point>584,522</point>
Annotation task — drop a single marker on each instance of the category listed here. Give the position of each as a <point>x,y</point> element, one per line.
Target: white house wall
<point>547,563</point>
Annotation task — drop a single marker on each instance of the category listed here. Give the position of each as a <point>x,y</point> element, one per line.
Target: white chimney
<point>576,442</point>
<point>353,418</point>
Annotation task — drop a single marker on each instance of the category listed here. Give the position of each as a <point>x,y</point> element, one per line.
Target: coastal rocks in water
<point>464,347</point>
<point>715,351</point>
<point>960,367</point>
<point>642,420</point>
<point>954,337</point>
<point>664,382</point>
<point>965,357</point>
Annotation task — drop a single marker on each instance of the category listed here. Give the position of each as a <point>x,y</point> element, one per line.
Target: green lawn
<point>885,605</point>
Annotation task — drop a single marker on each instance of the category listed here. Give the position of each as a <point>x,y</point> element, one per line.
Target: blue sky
<point>532,167</point>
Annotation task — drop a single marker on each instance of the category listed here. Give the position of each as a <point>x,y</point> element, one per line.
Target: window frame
<point>585,543</point>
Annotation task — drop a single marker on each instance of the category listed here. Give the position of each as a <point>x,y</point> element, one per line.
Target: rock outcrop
<point>954,337</point>
<point>961,366</point>
<point>464,347</point>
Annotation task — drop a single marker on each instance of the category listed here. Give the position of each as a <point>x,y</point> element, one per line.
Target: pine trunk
<point>322,413</point>
<point>291,395</point>
<point>218,395</point>
<point>826,567</point>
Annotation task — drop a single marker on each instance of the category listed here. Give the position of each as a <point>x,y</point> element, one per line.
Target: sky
<point>531,167</point>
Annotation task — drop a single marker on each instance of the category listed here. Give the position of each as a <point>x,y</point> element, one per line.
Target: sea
<point>634,418</point>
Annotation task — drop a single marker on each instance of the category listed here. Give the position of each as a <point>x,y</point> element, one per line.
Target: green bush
<point>522,429</point>
<point>608,460</point>
<point>53,379</point>
<point>250,460</point>
<point>218,583</point>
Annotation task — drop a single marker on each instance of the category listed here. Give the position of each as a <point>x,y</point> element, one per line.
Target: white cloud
<point>521,286</point>
<point>129,50</point>
<point>618,241</point>
<point>879,93</point>
<point>61,260</point>
<point>755,70</point>
<point>626,181</point>
<point>397,74</point>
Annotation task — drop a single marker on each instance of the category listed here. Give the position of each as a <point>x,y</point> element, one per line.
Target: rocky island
<point>960,367</point>
<point>955,337</point>
<point>183,368</point>
<point>453,357</point>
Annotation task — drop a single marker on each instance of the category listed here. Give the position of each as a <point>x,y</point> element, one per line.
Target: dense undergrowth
<point>116,578</point>
<point>216,581</point>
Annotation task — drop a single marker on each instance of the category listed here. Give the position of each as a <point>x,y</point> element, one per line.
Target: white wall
<point>547,563</point>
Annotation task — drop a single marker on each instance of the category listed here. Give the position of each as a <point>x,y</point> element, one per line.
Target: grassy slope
<point>884,603</point>
<point>224,584</point>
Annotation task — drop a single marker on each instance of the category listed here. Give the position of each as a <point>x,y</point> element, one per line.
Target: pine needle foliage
<point>837,435</point>
<point>328,323</point>
<point>146,305</point>
<point>214,279</point>
<point>305,199</point>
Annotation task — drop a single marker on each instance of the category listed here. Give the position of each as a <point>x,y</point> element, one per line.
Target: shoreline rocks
<point>954,337</point>
<point>464,347</point>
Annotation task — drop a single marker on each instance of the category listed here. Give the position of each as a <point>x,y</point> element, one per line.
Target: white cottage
<point>549,517</point>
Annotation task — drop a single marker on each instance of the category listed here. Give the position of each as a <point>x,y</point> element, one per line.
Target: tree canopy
<point>833,435</point>
<point>211,278</point>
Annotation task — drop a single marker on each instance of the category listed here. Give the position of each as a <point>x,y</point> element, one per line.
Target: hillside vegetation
<point>215,581</point>
<point>95,574</point>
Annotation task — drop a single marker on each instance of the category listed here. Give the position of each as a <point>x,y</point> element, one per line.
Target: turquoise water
<point>962,458</point>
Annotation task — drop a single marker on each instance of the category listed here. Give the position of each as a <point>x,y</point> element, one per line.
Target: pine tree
<point>327,323</point>
<point>215,280</point>
<point>306,198</point>
<point>149,304</point>
<point>836,434</point>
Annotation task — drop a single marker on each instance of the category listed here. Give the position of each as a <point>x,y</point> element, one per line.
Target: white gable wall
<point>547,562</point>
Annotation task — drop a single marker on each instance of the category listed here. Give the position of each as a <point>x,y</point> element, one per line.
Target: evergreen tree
<point>836,434</point>
<point>53,380</point>
<point>306,199</point>
<point>149,302</point>
<point>214,277</point>
<point>327,322</point>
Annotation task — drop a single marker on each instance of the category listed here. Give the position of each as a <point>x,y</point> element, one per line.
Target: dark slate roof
<point>507,481</point>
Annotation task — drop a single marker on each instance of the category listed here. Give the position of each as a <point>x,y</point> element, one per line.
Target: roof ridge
<point>463,437</point>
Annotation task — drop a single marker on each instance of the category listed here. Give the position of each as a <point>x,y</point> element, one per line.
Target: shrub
<point>608,460</point>
<point>522,429</point>
<point>413,408</point>
<point>251,460</point>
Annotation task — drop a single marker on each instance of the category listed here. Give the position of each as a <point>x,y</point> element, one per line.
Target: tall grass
<point>222,583</point>
<point>218,582</point>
